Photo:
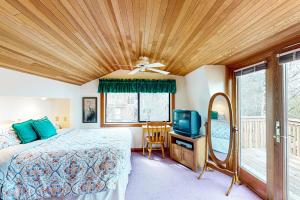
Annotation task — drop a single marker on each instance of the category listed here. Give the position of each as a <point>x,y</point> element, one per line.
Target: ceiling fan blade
<point>134,71</point>
<point>155,65</point>
<point>159,71</point>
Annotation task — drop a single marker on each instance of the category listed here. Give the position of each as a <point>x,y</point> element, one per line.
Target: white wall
<point>90,89</point>
<point>201,84</point>
<point>18,84</point>
<point>17,109</point>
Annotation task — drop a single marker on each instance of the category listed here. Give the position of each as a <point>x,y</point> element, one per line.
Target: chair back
<point>157,131</point>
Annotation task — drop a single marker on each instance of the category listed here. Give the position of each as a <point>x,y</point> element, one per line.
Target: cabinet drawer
<point>176,152</point>
<point>187,157</point>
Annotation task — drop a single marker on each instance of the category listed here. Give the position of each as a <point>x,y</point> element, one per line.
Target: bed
<point>220,130</point>
<point>74,164</point>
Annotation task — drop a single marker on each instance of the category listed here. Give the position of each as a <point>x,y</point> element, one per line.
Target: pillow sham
<point>44,128</point>
<point>25,131</point>
<point>8,137</point>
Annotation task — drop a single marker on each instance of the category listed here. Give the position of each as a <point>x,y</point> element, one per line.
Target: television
<point>186,122</point>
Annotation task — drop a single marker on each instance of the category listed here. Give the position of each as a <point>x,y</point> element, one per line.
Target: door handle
<point>277,135</point>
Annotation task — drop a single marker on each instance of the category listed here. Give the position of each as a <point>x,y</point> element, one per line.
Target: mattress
<point>75,163</point>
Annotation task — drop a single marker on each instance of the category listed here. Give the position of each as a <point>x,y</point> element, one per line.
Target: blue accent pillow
<point>44,128</point>
<point>25,131</point>
<point>214,115</point>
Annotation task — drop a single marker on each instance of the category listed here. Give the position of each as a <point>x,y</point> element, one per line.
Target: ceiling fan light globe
<point>144,58</point>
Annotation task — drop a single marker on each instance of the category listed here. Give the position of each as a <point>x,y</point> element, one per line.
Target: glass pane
<point>252,110</point>
<point>121,107</point>
<point>293,128</point>
<point>154,107</point>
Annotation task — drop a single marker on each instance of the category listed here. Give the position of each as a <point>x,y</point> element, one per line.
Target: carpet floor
<point>160,179</point>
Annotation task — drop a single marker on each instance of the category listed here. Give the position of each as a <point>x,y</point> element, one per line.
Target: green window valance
<point>136,86</point>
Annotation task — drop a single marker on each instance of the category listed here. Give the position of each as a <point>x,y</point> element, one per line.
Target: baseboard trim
<point>146,151</point>
<point>136,149</point>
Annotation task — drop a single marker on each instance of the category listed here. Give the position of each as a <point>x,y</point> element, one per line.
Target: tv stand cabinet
<point>191,158</point>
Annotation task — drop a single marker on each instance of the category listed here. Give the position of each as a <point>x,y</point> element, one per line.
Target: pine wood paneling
<point>79,40</point>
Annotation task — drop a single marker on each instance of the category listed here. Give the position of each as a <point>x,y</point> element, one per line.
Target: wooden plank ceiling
<point>80,40</point>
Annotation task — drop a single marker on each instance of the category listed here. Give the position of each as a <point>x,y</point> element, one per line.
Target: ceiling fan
<point>143,64</point>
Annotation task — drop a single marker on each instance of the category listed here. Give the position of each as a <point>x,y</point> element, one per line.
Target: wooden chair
<point>157,132</point>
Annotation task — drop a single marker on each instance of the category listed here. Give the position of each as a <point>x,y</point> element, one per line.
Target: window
<point>121,107</point>
<point>136,108</point>
<point>154,107</point>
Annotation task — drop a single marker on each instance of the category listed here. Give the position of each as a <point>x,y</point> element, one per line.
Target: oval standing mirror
<point>221,136</point>
<point>220,128</point>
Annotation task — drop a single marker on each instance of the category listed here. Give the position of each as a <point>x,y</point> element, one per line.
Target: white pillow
<point>8,137</point>
<point>221,117</point>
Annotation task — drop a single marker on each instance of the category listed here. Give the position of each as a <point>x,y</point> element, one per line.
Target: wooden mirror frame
<point>229,165</point>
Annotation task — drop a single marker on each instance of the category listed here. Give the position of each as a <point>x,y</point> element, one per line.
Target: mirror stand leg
<point>203,170</point>
<point>235,180</point>
<point>231,185</point>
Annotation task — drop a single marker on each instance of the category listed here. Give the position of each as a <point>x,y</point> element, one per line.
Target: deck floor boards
<point>254,161</point>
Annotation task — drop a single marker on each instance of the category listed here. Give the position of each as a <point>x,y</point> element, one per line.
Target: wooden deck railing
<point>253,133</point>
<point>294,136</point>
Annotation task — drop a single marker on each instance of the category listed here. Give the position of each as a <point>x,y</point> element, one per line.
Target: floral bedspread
<point>72,163</point>
<point>220,129</point>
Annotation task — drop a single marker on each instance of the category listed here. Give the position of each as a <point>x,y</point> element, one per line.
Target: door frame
<point>276,182</point>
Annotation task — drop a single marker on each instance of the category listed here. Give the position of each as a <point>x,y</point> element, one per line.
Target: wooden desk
<point>145,131</point>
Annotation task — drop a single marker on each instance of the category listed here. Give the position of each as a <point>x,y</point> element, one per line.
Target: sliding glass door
<point>268,119</point>
<point>290,68</point>
<point>251,110</point>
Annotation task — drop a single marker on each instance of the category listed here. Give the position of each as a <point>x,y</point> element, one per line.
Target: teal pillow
<point>44,128</point>
<point>214,115</point>
<point>25,131</point>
